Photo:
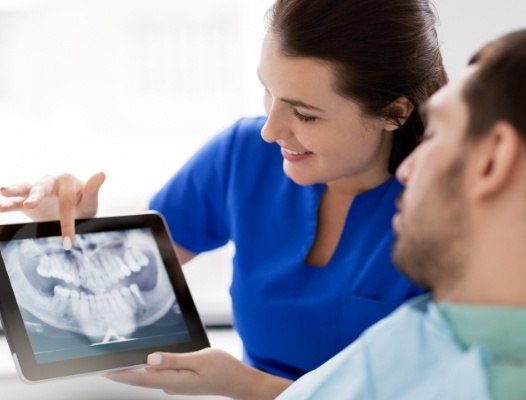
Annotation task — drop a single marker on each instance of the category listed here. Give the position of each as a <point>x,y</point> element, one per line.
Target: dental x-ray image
<point>110,292</point>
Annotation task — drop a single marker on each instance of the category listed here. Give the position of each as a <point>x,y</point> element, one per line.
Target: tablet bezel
<point>13,324</point>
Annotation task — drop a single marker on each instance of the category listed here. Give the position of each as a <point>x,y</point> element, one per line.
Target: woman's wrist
<point>260,385</point>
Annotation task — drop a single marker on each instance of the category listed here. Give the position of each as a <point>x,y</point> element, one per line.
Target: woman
<point>309,206</point>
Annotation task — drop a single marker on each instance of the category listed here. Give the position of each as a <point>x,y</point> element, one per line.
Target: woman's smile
<point>295,156</point>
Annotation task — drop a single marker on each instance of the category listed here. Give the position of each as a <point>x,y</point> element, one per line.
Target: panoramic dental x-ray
<point>111,287</point>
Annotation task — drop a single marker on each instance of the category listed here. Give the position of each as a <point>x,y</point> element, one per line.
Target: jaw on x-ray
<point>107,286</point>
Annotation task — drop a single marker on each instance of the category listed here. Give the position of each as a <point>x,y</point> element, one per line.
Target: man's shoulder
<point>415,344</point>
<point>412,336</point>
<point>410,354</point>
<point>415,318</point>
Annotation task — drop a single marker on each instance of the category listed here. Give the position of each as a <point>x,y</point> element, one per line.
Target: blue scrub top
<point>291,317</point>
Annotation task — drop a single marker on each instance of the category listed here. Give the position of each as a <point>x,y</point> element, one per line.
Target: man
<point>461,231</point>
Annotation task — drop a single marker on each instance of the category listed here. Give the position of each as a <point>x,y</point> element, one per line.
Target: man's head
<point>464,208</point>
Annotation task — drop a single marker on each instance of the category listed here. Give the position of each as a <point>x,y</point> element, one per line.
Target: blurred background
<point>134,87</point>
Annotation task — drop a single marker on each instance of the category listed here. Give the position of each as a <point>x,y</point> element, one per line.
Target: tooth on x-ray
<point>106,287</point>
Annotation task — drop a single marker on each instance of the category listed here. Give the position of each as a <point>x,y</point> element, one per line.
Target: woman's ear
<point>398,112</point>
<point>496,159</point>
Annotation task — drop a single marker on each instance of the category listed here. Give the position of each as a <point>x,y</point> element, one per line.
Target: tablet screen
<point>118,291</point>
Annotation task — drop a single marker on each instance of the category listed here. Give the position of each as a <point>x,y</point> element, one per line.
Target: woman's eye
<point>303,118</point>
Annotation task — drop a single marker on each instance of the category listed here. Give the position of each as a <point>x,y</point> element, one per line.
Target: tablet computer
<point>116,296</point>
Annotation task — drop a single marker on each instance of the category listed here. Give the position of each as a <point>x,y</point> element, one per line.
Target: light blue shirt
<point>412,354</point>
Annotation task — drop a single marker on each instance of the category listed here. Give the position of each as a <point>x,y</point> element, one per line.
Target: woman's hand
<point>63,197</point>
<point>205,372</point>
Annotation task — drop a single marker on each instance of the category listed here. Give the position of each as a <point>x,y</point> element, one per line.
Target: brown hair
<point>496,90</point>
<point>381,50</point>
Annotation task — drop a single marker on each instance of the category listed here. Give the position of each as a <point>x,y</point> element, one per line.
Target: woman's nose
<point>276,127</point>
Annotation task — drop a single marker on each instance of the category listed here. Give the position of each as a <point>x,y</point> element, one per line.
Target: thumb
<point>94,183</point>
<point>91,192</point>
<point>179,361</point>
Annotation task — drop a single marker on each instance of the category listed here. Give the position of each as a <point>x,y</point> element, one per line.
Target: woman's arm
<point>182,254</point>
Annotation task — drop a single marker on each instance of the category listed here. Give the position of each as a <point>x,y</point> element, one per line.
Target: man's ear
<point>398,112</point>
<point>496,159</point>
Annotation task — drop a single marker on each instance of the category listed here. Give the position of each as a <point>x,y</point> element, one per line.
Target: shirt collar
<point>501,331</point>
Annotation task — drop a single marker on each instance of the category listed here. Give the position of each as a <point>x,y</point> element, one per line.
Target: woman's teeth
<point>296,153</point>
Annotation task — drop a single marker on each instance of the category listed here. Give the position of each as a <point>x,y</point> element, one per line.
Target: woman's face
<point>324,137</point>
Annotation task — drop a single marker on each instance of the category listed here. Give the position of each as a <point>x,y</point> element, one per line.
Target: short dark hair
<point>496,91</point>
<point>381,50</point>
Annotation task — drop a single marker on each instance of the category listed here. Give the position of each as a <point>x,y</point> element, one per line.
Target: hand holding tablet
<point>118,295</point>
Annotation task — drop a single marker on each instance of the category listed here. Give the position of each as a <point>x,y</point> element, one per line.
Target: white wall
<point>134,87</point>
<point>467,24</point>
<point>131,87</point>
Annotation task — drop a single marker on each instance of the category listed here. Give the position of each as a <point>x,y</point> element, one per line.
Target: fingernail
<point>66,242</point>
<point>30,200</point>
<point>154,359</point>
